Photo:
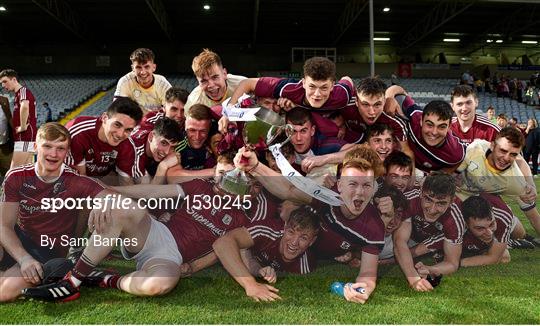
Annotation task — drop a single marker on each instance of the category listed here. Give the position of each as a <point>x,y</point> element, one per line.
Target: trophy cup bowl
<point>257,134</point>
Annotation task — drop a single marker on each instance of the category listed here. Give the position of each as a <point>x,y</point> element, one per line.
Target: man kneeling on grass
<point>274,246</point>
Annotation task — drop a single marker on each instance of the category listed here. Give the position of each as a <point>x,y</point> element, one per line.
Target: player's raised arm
<point>270,179</point>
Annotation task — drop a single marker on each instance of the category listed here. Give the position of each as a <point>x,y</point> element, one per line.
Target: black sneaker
<point>520,244</point>
<point>533,240</point>
<point>97,278</point>
<point>61,291</point>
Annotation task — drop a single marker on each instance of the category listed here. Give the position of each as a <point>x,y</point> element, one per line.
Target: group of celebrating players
<point>412,185</point>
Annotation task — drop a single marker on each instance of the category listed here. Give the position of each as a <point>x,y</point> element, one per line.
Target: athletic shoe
<point>97,278</point>
<point>61,291</point>
<point>533,240</point>
<point>520,244</point>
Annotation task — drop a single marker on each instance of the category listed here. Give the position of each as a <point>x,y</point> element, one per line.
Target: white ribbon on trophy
<point>235,113</point>
<point>299,181</point>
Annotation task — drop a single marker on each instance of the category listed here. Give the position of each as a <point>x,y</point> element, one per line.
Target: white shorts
<point>24,146</point>
<point>160,244</point>
<point>515,221</point>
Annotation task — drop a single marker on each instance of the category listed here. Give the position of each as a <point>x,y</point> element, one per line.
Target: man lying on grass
<point>488,230</point>
<point>274,246</point>
<point>356,224</point>
<point>158,248</point>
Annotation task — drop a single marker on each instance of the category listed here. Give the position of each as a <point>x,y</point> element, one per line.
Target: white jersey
<point>151,98</point>
<point>197,96</point>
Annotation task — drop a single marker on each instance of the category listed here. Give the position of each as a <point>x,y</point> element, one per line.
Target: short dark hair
<point>9,73</point>
<point>378,129</point>
<point>399,201</point>
<point>400,159</point>
<point>463,91</point>
<point>176,93</point>
<point>304,217</point>
<point>514,136</point>
<point>298,116</point>
<point>142,55</point>
<point>127,106</point>
<point>169,129</point>
<point>476,207</point>
<point>227,156</point>
<point>439,184</point>
<point>320,68</point>
<point>371,86</point>
<point>439,108</point>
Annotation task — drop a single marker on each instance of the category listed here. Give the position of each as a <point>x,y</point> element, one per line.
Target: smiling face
<point>159,146</point>
<point>383,144</point>
<point>116,128</point>
<point>482,228</point>
<point>398,176</point>
<point>465,107</point>
<point>503,153</point>
<point>295,241</point>
<point>175,111</point>
<point>213,82</point>
<point>144,72</point>
<point>51,155</point>
<point>434,130</point>
<point>197,132</point>
<point>317,91</point>
<point>356,188</point>
<point>433,206</point>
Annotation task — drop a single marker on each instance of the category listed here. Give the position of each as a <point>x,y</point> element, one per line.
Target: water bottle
<point>337,288</point>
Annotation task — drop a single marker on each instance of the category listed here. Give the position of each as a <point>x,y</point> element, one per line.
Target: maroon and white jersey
<point>23,94</point>
<point>22,185</point>
<point>264,206</point>
<point>339,235</point>
<point>150,119</point>
<point>431,158</point>
<point>481,128</point>
<point>86,148</point>
<point>356,124</point>
<point>133,153</point>
<point>267,235</point>
<point>342,95</point>
<point>195,230</point>
<point>472,246</point>
<point>450,226</point>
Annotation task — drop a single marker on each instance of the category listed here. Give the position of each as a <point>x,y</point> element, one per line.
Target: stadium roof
<point>313,23</point>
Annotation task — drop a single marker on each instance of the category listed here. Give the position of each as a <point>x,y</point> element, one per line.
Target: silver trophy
<point>267,128</point>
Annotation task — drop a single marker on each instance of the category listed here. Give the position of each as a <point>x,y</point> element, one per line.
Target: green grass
<point>503,294</point>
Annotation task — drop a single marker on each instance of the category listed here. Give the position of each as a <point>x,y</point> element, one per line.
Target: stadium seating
<point>64,93</point>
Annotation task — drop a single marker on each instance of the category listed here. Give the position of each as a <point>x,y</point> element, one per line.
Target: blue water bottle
<point>337,288</point>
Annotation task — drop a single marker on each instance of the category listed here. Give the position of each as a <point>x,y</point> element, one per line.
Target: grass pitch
<point>502,294</point>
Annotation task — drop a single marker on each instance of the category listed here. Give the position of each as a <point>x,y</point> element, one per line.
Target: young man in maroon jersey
<point>467,125</point>
<point>145,151</point>
<point>274,246</point>
<point>95,140</point>
<point>32,231</point>
<point>433,214</point>
<point>489,222</point>
<point>24,118</point>
<point>354,225</point>
<point>430,138</point>
<point>175,99</point>
<point>158,248</point>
